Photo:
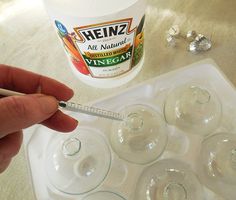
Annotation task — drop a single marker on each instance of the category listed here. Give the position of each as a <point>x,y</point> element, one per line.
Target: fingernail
<point>48,104</point>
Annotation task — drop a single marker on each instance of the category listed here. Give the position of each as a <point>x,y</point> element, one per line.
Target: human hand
<point>19,112</point>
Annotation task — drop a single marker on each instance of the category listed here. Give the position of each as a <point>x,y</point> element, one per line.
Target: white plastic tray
<point>123,176</point>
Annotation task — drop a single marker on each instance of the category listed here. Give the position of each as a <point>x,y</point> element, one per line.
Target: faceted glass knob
<point>217,167</point>
<point>200,44</point>
<point>141,137</point>
<point>168,179</point>
<point>77,163</point>
<point>193,109</point>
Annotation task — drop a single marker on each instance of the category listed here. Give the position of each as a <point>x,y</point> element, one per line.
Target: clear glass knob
<point>77,163</point>
<point>141,137</point>
<point>193,109</point>
<point>168,179</point>
<point>217,167</point>
<point>103,196</point>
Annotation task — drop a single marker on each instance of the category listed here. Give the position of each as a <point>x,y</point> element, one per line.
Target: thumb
<point>19,112</point>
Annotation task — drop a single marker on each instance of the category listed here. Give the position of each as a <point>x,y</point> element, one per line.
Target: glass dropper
<point>75,107</point>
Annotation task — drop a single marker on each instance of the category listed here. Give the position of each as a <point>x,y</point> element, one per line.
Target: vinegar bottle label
<point>104,50</point>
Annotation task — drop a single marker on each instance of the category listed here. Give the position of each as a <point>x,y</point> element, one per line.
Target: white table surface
<point>27,40</point>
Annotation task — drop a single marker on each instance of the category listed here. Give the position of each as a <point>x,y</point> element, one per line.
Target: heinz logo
<point>105,30</point>
<point>99,33</point>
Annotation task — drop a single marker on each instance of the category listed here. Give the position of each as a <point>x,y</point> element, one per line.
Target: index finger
<point>19,80</point>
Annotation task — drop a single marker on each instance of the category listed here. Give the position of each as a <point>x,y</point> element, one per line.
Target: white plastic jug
<point>104,40</point>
